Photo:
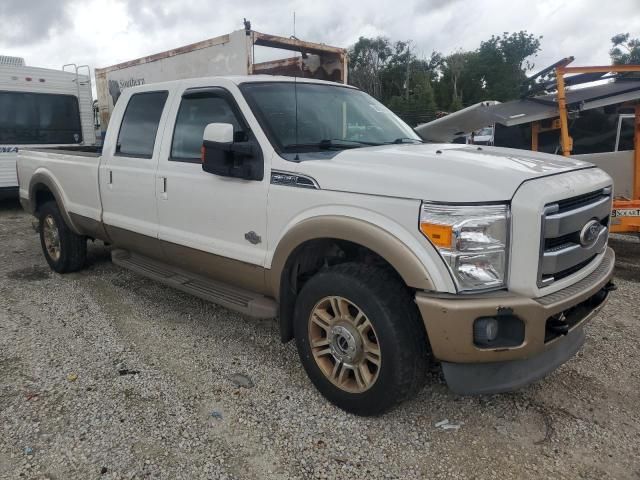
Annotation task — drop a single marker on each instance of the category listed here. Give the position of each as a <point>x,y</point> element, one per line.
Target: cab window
<point>195,113</point>
<point>139,127</point>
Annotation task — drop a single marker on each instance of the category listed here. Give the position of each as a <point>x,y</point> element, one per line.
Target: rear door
<point>128,172</point>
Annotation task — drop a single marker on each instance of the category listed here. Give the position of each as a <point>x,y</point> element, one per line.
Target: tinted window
<point>594,131</point>
<point>626,134</point>
<point>39,118</point>
<point>140,124</point>
<point>195,113</point>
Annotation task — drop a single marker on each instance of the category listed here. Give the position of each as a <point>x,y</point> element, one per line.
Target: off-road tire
<point>73,248</point>
<point>401,336</point>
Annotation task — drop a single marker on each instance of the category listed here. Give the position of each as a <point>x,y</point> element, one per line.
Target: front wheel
<point>360,338</point>
<point>63,249</point>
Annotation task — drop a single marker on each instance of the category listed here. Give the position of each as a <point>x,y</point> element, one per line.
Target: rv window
<point>139,126</point>
<point>39,118</point>
<point>626,134</point>
<point>195,113</point>
<point>594,131</point>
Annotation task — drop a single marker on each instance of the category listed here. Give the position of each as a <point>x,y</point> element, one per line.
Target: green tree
<point>418,104</point>
<point>386,70</point>
<point>626,50</point>
<point>502,62</point>
<point>391,72</point>
<point>459,83</point>
<point>366,60</point>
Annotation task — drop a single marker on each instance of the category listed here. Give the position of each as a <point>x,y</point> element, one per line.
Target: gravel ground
<point>105,374</point>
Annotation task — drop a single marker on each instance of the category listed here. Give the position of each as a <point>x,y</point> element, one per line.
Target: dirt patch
<point>30,274</point>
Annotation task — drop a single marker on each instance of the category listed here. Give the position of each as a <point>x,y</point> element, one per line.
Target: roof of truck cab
<point>280,78</point>
<point>240,79</point>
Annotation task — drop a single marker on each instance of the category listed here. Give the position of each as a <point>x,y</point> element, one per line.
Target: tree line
<point>419,89</point>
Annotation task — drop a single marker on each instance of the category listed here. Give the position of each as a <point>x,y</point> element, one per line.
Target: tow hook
<point>610,287</point>
<point>559,325</point>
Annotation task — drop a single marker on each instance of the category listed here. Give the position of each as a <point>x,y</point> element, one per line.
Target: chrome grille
<point>568,244</point>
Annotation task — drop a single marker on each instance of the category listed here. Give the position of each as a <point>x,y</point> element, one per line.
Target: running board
<point>228,296</point>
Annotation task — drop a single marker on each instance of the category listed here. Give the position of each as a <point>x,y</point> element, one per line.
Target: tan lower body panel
<point>449,321</point>
<point>89,227</point>
<point>227,270</point>
<point>204,265</point>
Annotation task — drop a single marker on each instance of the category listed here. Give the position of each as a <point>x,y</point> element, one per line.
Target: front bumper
<point>449,323</point>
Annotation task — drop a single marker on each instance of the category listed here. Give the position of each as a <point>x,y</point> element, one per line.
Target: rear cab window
<point>139,126</point>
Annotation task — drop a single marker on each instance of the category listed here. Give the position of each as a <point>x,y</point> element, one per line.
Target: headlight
<point>472,240</point>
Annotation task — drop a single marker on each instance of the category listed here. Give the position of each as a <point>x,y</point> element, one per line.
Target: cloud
<point>50,33</point>
<point>27,22</point>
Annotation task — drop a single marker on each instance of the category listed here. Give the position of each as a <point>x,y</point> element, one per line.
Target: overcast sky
<point>49,33</point>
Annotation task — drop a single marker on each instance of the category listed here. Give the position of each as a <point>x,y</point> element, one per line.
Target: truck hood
<point>435,172</point>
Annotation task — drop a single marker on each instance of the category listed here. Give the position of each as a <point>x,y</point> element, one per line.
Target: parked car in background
<point>482,136</point>
<point>311,202</point>
<point>40,107</point>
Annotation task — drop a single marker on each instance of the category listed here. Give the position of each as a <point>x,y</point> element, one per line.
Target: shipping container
<point>231,54</point>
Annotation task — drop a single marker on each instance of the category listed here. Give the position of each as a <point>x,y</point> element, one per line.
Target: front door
<point>213,225</point>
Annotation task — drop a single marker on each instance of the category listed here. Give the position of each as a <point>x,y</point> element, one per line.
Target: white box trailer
<point>231,54</point>
<point>43,107</point>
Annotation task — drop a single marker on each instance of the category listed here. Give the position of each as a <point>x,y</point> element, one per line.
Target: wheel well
<point>311,257</point>
<point>42,195</point>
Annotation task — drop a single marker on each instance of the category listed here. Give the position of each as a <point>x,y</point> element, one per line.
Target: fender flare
<point>41,181</point>
<point>354,230</point>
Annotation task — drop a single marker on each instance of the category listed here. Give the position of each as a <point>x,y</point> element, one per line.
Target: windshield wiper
<point>346,140</point>
<point>331,144</point>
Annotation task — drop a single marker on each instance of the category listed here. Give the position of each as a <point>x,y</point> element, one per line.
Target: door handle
<point>164,188</point>
<point>110,178</point>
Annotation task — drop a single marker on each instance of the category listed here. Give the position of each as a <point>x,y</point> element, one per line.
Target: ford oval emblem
<point>589,233</point>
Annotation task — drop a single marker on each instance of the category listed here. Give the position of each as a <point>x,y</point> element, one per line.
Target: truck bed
<point>74,171</point>
<point>80,150</point>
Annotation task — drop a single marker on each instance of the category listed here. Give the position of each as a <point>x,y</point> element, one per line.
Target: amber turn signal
<point>440,235</point>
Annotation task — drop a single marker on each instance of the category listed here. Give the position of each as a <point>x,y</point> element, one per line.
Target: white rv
<point>41,107</point>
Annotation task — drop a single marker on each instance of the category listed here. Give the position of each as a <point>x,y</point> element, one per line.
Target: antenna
<point>295,89</point>
<point>295,94</point>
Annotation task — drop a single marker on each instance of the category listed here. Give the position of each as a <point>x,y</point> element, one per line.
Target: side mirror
<point>218,133</point>
<point>226,158</point>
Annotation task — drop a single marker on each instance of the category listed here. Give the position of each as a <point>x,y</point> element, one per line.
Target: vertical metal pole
<point>565,139</point>
<point>636,155</point>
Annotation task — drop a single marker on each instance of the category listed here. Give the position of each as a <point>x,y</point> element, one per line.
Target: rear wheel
<point>360,338</point>
<point>63,249</point>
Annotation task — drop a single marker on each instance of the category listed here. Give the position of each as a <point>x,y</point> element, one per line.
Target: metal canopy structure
<point>531,109</point>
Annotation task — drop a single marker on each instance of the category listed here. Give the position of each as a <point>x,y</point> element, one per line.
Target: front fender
<point>404,260</point>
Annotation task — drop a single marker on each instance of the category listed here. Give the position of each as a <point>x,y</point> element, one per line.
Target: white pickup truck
<point>311,202</point>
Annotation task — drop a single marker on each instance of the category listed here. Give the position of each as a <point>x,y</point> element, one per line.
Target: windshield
<point>329,117</point>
